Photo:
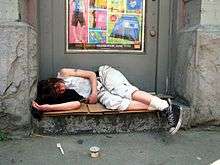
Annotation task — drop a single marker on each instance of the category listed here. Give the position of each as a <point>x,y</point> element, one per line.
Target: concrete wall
<point>19,67</point>
<point>196,69</point>
<point>8,10</point>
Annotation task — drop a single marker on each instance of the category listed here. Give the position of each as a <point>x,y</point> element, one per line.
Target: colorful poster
<point>106,25</point>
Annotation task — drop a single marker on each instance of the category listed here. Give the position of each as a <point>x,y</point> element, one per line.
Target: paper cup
<point>94,151</point>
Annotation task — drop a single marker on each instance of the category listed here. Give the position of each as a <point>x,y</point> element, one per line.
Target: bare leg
<point>142,96</point>
<point>136,105</point>
<point>81,30</point>
<point>154,102</point>
<point>76,33</point>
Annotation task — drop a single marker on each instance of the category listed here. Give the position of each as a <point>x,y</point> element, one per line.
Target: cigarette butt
<point>61,149</point>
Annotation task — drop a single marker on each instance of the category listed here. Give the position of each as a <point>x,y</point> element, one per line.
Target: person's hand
<point>92,99</point>
<point>43,107</point>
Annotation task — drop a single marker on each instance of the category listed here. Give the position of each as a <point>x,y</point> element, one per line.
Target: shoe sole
<point>174,130</point>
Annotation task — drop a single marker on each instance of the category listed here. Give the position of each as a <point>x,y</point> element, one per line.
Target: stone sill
<point>95,118</point>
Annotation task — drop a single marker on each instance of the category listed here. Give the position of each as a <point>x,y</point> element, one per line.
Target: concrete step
<point>104,123</point>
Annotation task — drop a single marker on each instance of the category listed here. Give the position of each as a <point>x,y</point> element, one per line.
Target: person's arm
<point>66,72</point>
<point>57,107</point>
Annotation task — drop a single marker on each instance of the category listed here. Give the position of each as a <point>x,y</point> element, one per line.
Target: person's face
<point>60,87</point>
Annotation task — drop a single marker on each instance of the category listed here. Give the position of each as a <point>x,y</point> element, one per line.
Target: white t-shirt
<point>79,84</point>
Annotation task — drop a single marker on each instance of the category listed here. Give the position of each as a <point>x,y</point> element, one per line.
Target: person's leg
<point>111,101</point>
<point>136,105</point>
<point>75,22</point>
<point>82,27</point>
<point>154,102</point>
<point>76,34</point>
<point>111,78</point>
<point>115,82</point>
<point>142,96</point>
<point>174,117</point>
<point>81,34</point>
<point>173,112</point>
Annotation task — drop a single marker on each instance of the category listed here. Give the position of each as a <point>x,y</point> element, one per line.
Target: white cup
<point>94,151</point>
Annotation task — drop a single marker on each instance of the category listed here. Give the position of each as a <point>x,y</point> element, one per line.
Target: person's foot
<point>174,117</point>
<point>178,115</point>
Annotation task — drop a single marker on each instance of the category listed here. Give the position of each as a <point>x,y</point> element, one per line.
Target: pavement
<point>198,146</point>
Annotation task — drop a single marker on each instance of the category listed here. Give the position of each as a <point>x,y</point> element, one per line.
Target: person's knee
<point>120,104</point>
<point>135,93</point>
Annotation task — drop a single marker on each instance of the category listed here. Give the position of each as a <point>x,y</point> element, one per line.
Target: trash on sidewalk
<point>61,149</point>
<point>94,151</point>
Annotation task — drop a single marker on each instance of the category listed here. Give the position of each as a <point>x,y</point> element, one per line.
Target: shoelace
<point>170,117</point>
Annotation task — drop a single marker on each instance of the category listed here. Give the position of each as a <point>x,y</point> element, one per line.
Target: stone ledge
<point>111,123</point>
<point>96,119</point>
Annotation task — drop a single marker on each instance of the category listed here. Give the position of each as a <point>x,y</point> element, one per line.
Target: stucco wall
<point>210,12</point>
<point>196,70</point>
<point>8,10</point>
<point>19,68</point>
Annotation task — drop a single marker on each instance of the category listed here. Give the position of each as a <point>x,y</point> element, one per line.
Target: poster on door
<point>105,25</point>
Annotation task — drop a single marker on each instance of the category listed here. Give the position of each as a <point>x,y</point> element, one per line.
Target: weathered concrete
<point>8,10</point>
<point>197,73</point>
<point>189,14</point>
<point>19,67</point>
<point>97,124</point>
<point>28,12</point>
<point>210,13</point>
<point>116,123</point>
<point>193,147</point>
<point>196,70</point>
<point>18,78</point>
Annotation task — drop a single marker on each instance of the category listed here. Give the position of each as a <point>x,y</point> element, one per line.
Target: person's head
<point>47,89</point>
<point>52,87</point>
<point>44,91</point>
<point>58,85</point>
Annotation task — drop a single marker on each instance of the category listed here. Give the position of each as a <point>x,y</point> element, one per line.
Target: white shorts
<point>114,90</point>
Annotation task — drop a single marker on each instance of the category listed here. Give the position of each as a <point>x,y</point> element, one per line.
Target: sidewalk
<point>192,147</point>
